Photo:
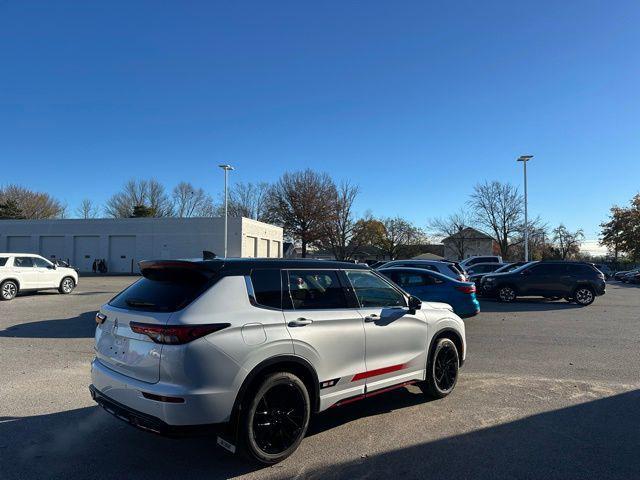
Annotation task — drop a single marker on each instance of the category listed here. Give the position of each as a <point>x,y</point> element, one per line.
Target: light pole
<point>226,169</point>
<point>524,159</point>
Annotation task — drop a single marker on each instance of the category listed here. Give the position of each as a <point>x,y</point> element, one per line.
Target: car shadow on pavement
<point>90,443</point>
<point>377,405</point>
<point>597,439</point>
<point>526,305</point>
<point>82,326</point>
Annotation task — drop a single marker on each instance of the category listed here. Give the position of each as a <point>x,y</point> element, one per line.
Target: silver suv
<point>252,348</point>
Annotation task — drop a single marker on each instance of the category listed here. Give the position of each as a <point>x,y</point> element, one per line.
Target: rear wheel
<point>506,294</point>
<point>584,296</point>
<point>8,290</point>
<point>67,285</point>
<point>276,418</point>
<point>442,370</point>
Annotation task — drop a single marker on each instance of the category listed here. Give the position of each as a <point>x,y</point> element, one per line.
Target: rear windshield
<point>167,294</point>
<point>3,261</point>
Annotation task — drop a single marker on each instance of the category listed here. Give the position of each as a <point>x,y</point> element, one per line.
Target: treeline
<point>621,233</point>
<point>317,213</point>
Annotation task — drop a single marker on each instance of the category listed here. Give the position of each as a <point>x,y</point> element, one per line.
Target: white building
<point>122,242</point>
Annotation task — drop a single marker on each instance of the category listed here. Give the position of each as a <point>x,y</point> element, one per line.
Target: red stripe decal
<point>372,394</point>
<point>378,371</point>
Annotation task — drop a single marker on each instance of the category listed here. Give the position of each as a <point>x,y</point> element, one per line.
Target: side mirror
<point>414,304</point>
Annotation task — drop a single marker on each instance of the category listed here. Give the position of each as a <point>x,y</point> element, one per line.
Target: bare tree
<point>300,203</point>
<point>87,209</point>
<point>567,243</point>
<point>397,233</point>
<point>189,201</point>
<point>456,227</point>
<point>248,200</point>
<point>149,194</point>
<point>498,207</point>
<point>341,230</point>
<point>31,204</point>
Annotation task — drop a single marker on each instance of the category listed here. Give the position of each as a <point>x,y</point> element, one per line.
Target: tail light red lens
<point>467,289</point>
<point>100,318</point>
<point>175,334</point>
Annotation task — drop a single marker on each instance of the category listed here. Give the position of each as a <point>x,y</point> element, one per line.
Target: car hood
<point>438,306</point>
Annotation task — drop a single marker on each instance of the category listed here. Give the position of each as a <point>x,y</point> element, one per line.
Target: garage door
<point>52,247</point>
<point>122,252</point>
<point>85,250</point>
<point>19,244</point>
<point>263,248</point>
<point>250,246</point>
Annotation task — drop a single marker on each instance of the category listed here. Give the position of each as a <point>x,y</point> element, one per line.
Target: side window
<point>580,269</point>
<point>3,261</point>
<point>267,287</point>
<point>316,289</point>
<point>372,291</point>
<point>549,269</point>
<point>411,279</point>
<point>23,262</point>
<point>41,262</point>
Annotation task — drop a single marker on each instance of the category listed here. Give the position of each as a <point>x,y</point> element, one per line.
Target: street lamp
<point>226,169</point>
<point>524,159</point>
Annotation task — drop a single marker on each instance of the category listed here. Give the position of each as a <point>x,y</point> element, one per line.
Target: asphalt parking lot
<point>550,390</point>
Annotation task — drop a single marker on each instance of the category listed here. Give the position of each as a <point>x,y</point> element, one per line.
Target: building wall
<point>482,246</point>
<point>124,242</point>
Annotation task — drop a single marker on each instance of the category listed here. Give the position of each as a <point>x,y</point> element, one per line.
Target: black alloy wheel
<point>277,419</point>
<point>442,370</point>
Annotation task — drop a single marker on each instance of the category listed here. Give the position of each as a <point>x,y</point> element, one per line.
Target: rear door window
<point>316,289</point>
<point>267,287</point>
<point>3,261</point>
<point>23,262</point>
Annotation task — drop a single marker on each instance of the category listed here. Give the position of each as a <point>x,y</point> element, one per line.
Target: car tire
<point>8,290</point>
<point>271,431</point>
<point>584,296</point>
<point>506,294</point>
<point>442,370</point>
<point>67,285</point>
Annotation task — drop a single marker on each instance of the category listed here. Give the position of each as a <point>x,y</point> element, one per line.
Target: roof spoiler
<point>157,269</point>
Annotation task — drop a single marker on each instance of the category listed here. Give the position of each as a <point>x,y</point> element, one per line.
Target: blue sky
<point>414,101</point>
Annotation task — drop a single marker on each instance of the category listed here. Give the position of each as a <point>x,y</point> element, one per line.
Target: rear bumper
<point>150,423</point>
<point>199,406</point>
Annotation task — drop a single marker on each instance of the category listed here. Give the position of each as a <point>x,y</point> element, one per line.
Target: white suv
<point>26,271</point>
<point>250,348</point>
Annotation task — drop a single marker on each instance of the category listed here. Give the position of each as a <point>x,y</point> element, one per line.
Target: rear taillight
<point>467,289</point>
<point>175,334</point>
<point>100,318</point>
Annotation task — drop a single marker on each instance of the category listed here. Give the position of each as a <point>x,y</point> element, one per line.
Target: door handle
<point>372,318</point>
<point>300,322</point>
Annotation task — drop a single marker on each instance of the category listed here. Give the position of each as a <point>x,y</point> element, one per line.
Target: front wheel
<point>276,418</point>
<point>442,370</point>
<point>67,285</point>
<point>584,296</point>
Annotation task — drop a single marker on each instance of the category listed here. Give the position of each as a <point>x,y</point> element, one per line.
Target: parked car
<point>253,347</point>
<point>477,271</point>
<point>635,278</point>
<point>608,273</point>
<point>467,262</point>
<point>629,276</point>
<point>450,269</point>
<point>432,286</point>
<point>20,272</point>
<point>575,281</point>
<point>620,274</point>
